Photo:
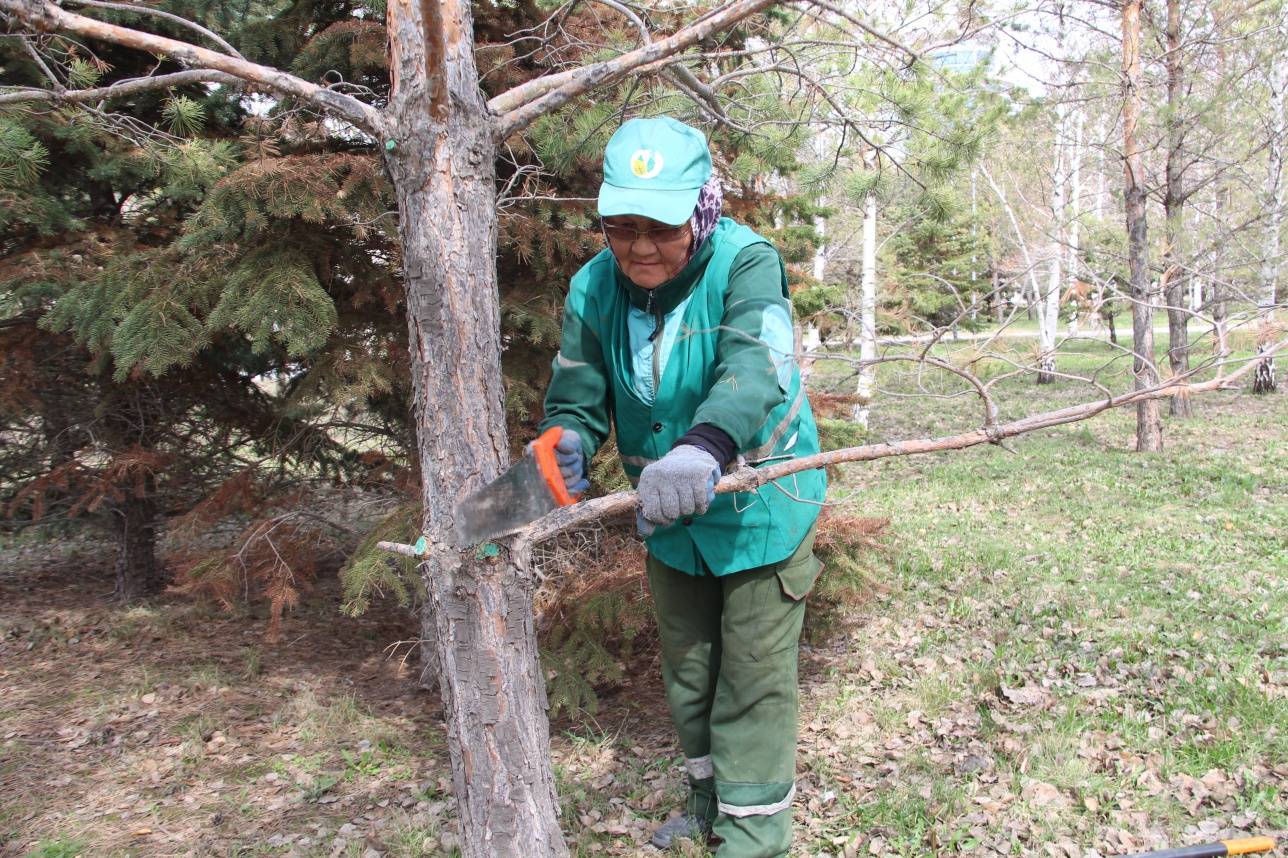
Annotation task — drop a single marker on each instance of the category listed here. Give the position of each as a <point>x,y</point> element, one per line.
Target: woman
<point>680,332</point>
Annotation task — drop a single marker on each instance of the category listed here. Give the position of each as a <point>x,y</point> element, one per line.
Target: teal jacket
<point>713,345</point>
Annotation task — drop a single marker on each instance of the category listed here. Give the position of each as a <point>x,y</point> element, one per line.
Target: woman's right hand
<point>572,462</point>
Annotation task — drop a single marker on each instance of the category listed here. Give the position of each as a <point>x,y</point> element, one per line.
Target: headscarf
<point>706,214</point>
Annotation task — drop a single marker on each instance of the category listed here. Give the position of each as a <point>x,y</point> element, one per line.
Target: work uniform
<point>711,346</point>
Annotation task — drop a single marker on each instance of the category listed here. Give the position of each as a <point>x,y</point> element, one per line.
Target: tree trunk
<point>1174,279</point>
<point>808,338</point>
<point>1149,428</point>
<point>867,314</point>
<point>478,606</point>
<point>137,572</point>
<point>1048,303</point>
<point>1263,379</point>
<point>999,305</point>
<point>1075,223</point>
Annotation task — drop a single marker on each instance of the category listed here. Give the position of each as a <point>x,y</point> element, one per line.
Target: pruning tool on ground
<point>1240,846</point>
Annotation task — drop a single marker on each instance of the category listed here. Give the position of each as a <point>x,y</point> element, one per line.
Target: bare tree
<point>1173,277</point>
<point>1149,428</point>
<point>1273,196</point>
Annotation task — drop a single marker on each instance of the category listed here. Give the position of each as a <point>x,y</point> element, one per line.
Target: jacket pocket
<point>797,576</point>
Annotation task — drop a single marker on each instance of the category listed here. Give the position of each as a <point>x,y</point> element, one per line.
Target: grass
<point>59,848</point>
<point>1064,646</point>
<point>1145,596</point>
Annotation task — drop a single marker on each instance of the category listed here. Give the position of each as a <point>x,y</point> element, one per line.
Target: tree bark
<point>1048,302</point>
<point>134,523</point>
<point>1175,282</point>
<point>1149,428</point>
<point>478,608</point>
<point>1263,380</point>
<point>867,307</point>
<point>1075,223</point>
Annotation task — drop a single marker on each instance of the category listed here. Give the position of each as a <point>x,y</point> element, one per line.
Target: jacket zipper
<point>652,338</point>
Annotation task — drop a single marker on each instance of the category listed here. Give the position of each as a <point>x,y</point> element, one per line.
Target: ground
<point>1066,648</point>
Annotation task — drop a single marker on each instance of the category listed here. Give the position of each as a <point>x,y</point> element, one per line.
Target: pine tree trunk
<point>1174,279</point>
<point>137,572</point>
<point>478,608</point>
<point>1149,428</point>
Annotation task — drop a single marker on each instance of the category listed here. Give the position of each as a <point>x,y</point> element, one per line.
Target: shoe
<point>678,827</point>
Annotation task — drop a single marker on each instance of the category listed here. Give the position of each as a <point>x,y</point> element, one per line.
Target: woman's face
<point>650,252</point>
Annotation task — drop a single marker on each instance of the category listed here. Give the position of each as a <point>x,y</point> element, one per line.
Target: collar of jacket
<point>669,295</point>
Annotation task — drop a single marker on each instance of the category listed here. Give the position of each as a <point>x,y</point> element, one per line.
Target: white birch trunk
<point>1048,304</point>
<point>808,338</point>
<point>1075,210</point>
<point>867,314</point>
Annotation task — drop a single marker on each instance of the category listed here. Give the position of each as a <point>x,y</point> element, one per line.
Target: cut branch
<point>44,16</point>
<point>749,479</point>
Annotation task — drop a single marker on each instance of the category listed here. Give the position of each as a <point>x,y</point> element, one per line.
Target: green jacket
<point>720,352</point>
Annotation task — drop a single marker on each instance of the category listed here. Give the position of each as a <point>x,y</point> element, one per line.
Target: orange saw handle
<point>543,449</point>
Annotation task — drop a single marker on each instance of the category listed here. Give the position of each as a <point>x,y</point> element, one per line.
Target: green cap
<point>655,168</point>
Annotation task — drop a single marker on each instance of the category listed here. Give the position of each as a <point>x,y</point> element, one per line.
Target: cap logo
<point>646,163</point>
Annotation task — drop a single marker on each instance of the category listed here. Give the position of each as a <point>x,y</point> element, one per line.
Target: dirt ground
<point>174,729</point>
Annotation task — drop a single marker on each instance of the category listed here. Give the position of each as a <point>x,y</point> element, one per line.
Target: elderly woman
<point>680,333</point>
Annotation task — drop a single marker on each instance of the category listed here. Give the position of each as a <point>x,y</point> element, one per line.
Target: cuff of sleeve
<point>714,440</point>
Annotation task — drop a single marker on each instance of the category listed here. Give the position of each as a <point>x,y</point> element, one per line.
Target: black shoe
<point>678,827</point>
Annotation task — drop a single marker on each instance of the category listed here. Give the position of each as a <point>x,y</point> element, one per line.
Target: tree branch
<point>913,56</point>
<point>120,88</point>
<point>519,107</point>
<point>749,479</point>
<point>175,19</point>
<point>44,16</point>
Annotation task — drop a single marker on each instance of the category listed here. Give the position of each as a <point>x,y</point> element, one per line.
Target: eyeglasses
<point>629,235</point>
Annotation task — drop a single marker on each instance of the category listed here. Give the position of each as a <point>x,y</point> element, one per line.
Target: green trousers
<point>729,653</point>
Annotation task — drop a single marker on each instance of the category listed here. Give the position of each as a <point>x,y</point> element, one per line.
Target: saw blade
<point>506,504</point>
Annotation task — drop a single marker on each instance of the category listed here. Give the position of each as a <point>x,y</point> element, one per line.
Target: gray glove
<point>683,482</point>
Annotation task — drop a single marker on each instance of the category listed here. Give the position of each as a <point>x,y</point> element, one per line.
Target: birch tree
<point>866,386</point>
<point>1048,300</point>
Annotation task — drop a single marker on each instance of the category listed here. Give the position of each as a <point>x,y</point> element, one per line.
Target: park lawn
<point>1064,648</point>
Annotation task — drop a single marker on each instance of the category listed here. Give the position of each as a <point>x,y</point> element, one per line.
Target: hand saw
<point>531,488</point>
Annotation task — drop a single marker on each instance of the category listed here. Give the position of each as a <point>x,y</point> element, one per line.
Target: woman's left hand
<point>683,482</point>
